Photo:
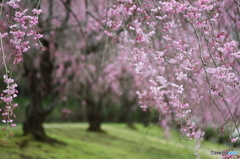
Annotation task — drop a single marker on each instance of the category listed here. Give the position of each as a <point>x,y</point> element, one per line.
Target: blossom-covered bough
<point>188,53</point>
<point>17,30</point>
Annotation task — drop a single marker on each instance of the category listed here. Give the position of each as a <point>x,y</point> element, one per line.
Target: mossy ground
<point>118,142</point>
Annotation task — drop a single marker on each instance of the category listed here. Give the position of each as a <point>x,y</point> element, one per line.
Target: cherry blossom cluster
<point>189,59</point>
<point>22,25</point>
<point>7,97</point>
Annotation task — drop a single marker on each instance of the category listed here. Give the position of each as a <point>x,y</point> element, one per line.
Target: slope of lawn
<point>118,142</point>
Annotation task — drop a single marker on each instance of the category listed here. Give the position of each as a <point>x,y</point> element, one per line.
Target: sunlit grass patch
<point>118,142</point>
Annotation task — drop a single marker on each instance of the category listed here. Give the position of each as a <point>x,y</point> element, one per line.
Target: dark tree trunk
<point>94,118</point>
<point>40,89</point>
<point>34,119</point>
<point>127,106</point>
<point>127,101</point>
<point>35,113</point>
<point>33,126</point>
<point>127,110</point>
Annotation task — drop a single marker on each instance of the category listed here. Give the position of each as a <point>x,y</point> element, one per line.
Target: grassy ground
<point>118,142</point>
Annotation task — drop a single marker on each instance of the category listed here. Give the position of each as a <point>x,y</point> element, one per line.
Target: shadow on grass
<point>22,141</point>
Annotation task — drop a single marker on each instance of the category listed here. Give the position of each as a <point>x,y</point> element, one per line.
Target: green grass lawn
<point>118,142</point>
